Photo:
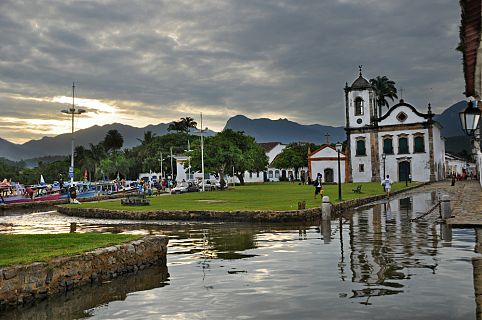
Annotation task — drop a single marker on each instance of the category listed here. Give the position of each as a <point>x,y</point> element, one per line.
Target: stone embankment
<point>312,214</point>
<point>25,283</point>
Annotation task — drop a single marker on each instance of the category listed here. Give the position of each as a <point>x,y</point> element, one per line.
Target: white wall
<point>320,166</point>
<point>411,117</point>
<point>365,95</point>
<point>419,162</point>
<point>366,175</point>
<point>438,153</point>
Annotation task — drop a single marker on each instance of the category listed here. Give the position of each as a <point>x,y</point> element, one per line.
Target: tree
<point>229,149</point>
<point>295,156</point>
<point>384,88</point>
<point>148,138</point>
<point>113,140</point>
<point>188,123</point>
<point>183,125</point>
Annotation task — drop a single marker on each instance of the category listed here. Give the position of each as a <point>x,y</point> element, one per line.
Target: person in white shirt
<point>387,184</point>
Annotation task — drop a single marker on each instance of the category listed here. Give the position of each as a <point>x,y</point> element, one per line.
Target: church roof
<point>268,146</point>
<point>360,83</point>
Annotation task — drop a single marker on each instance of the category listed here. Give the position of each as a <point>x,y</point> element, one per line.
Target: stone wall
<point>24,283</point>
<point>196,215</point>
<point>311,214</point>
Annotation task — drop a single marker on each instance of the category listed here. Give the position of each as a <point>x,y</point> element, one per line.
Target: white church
<point>401,142</point>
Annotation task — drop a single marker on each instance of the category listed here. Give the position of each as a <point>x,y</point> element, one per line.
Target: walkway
<point>465,199</point>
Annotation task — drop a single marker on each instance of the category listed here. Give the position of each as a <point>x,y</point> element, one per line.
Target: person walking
<point>387,185</point>
<point>318,183</point>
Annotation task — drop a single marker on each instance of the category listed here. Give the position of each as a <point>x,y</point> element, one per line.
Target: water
<point>373,263</point>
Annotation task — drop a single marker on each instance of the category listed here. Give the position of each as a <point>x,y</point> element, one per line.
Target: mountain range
<point>263,130</point>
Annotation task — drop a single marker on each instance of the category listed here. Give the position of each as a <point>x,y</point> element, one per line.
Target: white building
<point>272,150</point>
<point>325,161</point>
<point>410,139</point>
<point>455,164</point>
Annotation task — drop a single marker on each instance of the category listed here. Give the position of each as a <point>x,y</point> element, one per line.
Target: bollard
<point>326,231</point>
<point>326,208</point>
<point>445,210</point>
<point>73,227</point>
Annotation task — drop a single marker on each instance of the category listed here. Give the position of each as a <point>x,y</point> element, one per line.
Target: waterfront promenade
<point>465,200</point>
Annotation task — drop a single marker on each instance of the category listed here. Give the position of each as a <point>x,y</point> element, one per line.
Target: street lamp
<point>469,118</point>
<point>338,147</point>
<point>72,111</point>
<point>384,156</point>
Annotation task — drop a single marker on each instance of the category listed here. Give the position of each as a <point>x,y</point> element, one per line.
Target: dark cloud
<point>281,58</point>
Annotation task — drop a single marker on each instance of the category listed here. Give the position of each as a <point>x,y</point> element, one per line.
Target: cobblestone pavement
<point>465,200</point>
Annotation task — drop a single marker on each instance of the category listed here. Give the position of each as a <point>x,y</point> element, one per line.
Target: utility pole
<point>72,111</point>
<point>202,151</point>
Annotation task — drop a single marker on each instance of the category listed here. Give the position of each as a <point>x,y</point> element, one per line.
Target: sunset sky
<point>148,62</point>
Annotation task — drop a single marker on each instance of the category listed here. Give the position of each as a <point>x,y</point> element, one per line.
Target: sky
<point>149,62</point>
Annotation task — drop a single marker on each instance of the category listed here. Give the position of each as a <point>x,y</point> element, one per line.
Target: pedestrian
<point>292,179</point>
<point>387,185</point>
<point>318,185</point>
<point>410,178</point>
<point>302,178</point>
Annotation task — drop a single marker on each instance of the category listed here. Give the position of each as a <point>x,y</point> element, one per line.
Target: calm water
<point>373,263</point>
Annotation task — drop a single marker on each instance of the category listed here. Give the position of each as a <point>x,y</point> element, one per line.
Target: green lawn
<point>263,196</point>
<point>28,248</point>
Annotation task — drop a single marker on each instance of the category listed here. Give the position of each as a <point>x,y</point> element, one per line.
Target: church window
<point>403,145</point>
<point>419,144</point>
<point>360,148</point>
<point>388,145</point>
<point>361,167</point>
<point>358,106</point>
<point>402,116</point>
<point>276,174</point>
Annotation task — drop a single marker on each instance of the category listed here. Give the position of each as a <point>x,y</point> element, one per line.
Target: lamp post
<point>384,156</point>
<point>72,111</point>
<point>161,159</point>
<point>469,119</point>
<point>338,147</point>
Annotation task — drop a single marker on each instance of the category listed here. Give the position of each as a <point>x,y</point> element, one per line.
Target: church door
<point>403,171</point>
<point>328,175</point>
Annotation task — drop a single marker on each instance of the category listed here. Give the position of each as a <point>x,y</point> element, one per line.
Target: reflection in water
<point>375,256</point>
<point>80,302</point>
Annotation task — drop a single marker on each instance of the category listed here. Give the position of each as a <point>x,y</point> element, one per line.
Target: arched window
<point>387,145</point>
<point>276,174</point>
<point>358,106</point>
<point>403,145</point>
<point>418,144</point>
<point>270,174</point>
<point>360,147</point>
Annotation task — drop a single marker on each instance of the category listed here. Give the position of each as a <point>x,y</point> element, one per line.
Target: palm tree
<point>113,140</point>
<point>188,123</point>
<point>96,154</point>
<point>177,126</point>
<point>148,138</point>
<point>384,88</point>
<point>183,125</point>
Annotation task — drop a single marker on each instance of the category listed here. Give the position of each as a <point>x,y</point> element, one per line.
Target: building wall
<point>439,153</point>
<point>320,166</point>
<point>419,162</point>
<point>365,118</point>
<point>366,175</point>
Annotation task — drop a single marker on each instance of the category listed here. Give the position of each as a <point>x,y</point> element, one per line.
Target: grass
<point>263,196</point>
<point>28,248</point>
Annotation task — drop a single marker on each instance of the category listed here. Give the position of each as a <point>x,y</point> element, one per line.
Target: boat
<point>36,193</point>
